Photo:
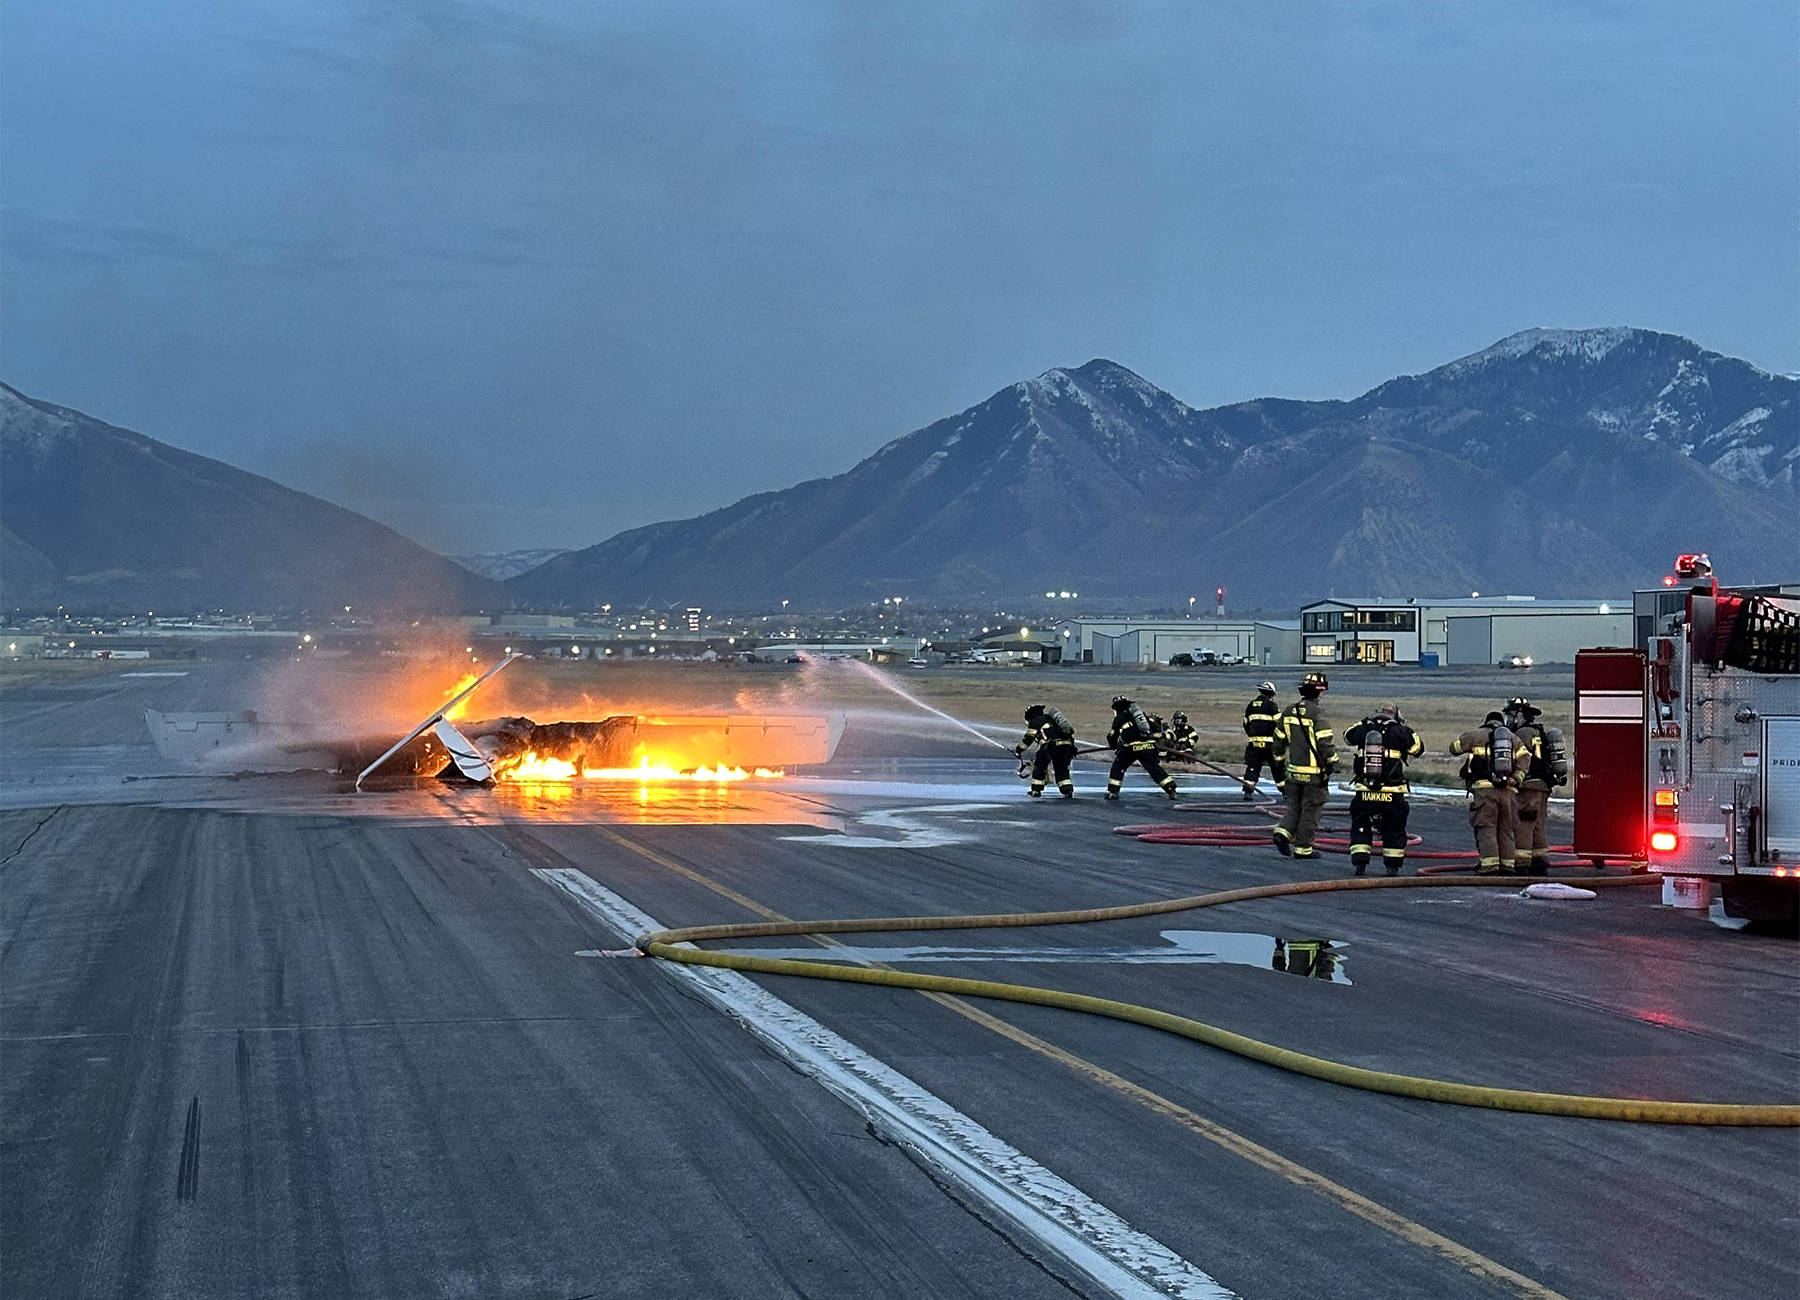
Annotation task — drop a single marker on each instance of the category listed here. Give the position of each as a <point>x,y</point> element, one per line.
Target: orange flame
<point>533,767</point>
<point>462,706</point>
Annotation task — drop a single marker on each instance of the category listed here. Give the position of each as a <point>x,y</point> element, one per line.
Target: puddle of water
<point>1310,958</point>
<point>1716,914</point>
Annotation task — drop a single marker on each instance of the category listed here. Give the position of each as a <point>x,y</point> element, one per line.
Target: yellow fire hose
<point>667,944</point>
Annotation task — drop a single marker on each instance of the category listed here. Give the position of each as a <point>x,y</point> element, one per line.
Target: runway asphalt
<point>260,1037</point>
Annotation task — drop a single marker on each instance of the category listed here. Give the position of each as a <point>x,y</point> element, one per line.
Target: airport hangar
<point>1428,631</point>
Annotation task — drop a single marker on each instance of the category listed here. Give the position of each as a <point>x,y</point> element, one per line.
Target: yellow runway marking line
<point>1373,1212</point>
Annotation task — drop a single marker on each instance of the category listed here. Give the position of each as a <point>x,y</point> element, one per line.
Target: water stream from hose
<point>870,671</point>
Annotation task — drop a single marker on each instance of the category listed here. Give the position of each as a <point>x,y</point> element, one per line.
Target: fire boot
<point>1282,846</point>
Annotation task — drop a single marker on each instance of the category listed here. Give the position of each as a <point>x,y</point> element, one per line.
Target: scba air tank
<point>1374,744</point>
<point>1500,753</point>
<point>1555,754</point>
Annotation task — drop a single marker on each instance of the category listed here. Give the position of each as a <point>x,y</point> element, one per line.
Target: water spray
<point>910,698</point>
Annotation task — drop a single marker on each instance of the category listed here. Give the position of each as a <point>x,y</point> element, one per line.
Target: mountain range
<point>1556,462</point>
<point>102,519</point>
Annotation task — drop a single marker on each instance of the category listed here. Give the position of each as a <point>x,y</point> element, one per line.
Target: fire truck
<point>1687,751</point>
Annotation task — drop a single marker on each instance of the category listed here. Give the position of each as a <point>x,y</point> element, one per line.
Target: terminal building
<point>1470,630</point>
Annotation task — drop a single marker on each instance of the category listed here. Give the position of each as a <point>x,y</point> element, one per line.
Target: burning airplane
<point>623,747</point>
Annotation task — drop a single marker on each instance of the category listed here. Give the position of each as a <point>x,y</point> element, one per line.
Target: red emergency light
<point>1663,841</point>
<point>1668,580</point>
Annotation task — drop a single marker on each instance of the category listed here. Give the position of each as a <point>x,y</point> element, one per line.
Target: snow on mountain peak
<point>1583,345</point>
<point>29,425</point>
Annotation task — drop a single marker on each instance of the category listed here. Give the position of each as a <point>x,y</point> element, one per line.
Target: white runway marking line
<point>152,674</point>
<point>1045,1209</point>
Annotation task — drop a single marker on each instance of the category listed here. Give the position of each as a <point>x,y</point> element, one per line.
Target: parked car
<point>1183,660</point>
<point>1515,661</point>
<point>918,662</point>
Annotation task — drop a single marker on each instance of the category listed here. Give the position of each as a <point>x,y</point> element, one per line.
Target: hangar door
<point>1471,640</point>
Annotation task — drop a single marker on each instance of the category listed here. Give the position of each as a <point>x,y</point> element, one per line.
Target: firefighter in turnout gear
<point>1487,770</point>
<point>1534,762</point>
<point>1181,740</point>
<point>1381,746</point>
<point>1304,743</point>
<point>1054,736</point>
<point>1133,741</point>
<point>1259,742</point>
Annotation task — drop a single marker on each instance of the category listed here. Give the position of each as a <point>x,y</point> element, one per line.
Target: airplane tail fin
<point>469,760</point>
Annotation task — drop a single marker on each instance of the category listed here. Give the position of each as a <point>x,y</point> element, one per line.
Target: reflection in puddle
<point>687,803</point>
<point>1319,959</point>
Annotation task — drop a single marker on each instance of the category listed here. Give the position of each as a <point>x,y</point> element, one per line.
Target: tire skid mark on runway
<point>187,1177</point>
<point>1031,1200</point>
<point>1370,1211</point>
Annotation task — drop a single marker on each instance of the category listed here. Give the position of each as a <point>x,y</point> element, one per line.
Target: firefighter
<point>1259,740</point>
<point>1054,736</point>
<point>1304,742</point>
<point>1183,740</point>
<point>1133,741</point>
<point>1381,747</point>
<point>1487,771</point>
<point>1531,756</point>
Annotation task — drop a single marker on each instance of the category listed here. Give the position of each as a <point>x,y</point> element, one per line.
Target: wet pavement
<point>264,1036</point>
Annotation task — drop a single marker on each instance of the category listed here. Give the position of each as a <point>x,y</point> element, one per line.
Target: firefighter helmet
<point>1266,688</point>
<point>1035,711</point>
<point>1178,718</point>
<point>1318,681</point>
<point>1121,702</point>
<point>1496,717</point>
<point>1519,704</point>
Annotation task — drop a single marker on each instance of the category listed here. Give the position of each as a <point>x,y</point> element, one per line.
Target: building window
<point>1368,652</point>
<point>1321,650</point>
<point>1325,621</point>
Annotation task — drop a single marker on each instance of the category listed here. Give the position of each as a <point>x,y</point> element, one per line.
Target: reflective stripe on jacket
<point>1399,744</point>
<point>1132,731</point>
<point>1475,745</point>
<point>1054,726</point>
<point>1529,758</point>
<point>1302,735</point>
<point>1259,720</point>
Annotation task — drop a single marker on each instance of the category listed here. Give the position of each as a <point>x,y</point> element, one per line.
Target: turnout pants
<point>1494,816</point>
<point>1055,753</point>
<point>1255,756</point>
<point>1305,803</point>
<point>1144,753</point>
<point>1531,851</point>
<point>1383,812</point>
